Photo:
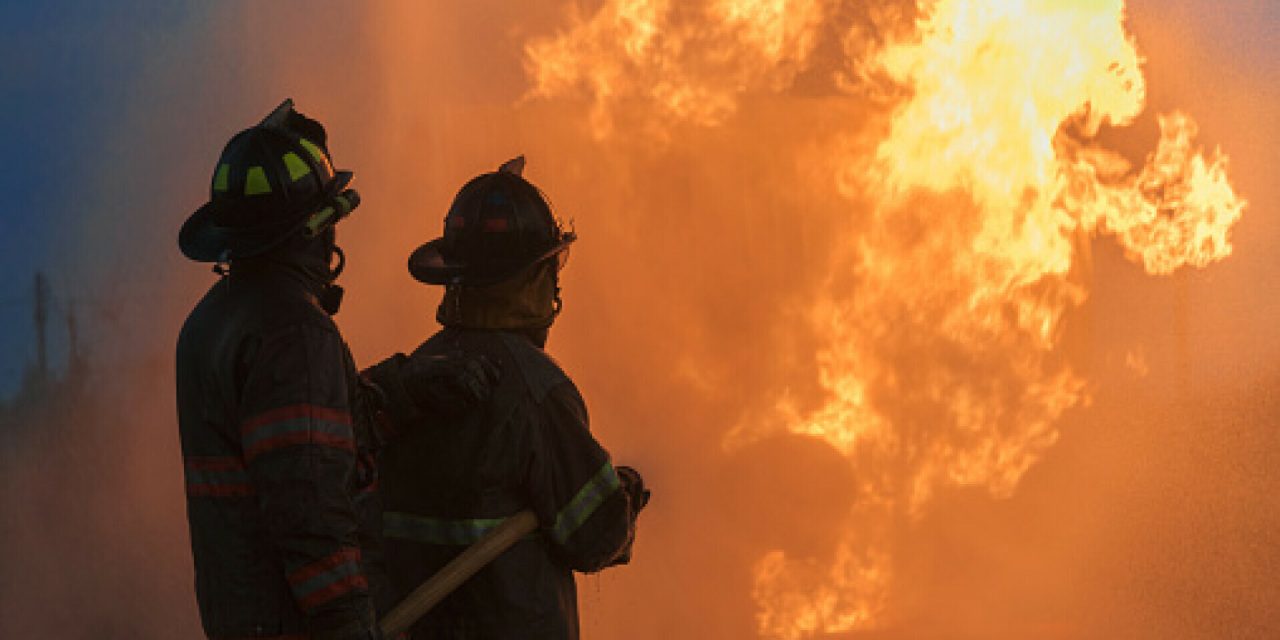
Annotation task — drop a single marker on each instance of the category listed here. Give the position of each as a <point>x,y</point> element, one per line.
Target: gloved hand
<point>448,384</point>
<point>633,484</point>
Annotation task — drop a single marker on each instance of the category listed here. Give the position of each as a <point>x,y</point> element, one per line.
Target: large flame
<point>683,60</point>
<point>943,312</point>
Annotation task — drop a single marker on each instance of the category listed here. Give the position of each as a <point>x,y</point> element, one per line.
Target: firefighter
<point>278,431</point>
<point>527,447</point>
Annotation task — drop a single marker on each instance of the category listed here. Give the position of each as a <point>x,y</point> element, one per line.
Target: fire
<point>690,61</point>
<point>943,312</point>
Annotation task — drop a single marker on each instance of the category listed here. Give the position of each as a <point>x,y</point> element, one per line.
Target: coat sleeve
<point>574,489</point>
<point>298,442</point>
<point>392,410</point>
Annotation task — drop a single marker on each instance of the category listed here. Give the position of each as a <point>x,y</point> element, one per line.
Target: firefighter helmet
<point>499,224</point>
<point>273,180</point>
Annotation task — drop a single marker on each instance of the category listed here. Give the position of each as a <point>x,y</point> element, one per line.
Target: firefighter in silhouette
<point>278,430</point>
<point>527,447</point>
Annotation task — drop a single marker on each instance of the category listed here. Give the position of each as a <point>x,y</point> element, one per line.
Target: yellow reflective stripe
<point>592,494</point>
<point>255,182</point>
<point>315,153</point>
<point>441,531</point>
<point>221,177</point>
<point>344,204</point>
<point>318,220</point>
<point>297,168</point>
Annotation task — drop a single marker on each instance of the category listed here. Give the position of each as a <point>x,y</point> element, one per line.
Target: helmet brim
<point>428,265</point>
<point>202,239</point>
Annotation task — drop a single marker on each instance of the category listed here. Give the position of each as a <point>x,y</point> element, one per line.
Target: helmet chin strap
<point>222,266</point>
<point>331,295</point>
<point>335,250</point>
<point>557,303</point>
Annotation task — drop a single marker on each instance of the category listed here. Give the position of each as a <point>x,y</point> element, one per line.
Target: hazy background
<point>1155,516</point>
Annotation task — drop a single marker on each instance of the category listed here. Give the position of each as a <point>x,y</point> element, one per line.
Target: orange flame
<point>943,312</point>
<point>685,60</point>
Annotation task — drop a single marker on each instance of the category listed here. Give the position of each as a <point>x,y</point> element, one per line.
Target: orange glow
<point>684,60</point>
<point>941,362</point>
<point>873,292</point>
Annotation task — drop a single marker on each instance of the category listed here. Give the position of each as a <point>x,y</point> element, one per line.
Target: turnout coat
<point>277,446</point>
<point>529,447</point>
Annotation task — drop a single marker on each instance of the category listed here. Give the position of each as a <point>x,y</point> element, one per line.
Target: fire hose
<point>466,564</point>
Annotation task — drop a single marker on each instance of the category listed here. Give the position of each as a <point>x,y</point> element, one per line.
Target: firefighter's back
<point>444,488</point>
<point>240,585</point>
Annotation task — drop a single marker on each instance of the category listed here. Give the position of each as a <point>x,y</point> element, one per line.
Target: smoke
<point>688,311</point>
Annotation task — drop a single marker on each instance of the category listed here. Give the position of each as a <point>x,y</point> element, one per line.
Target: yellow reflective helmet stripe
<point>297,168</point>
<point>221,177</point>
<point>318,220</point>
<point>316,153</point>
<point>321,219</point>
<point>255,182</point>
<point>344,204</point>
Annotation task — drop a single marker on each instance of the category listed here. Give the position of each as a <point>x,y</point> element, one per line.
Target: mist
<point>705,243</point>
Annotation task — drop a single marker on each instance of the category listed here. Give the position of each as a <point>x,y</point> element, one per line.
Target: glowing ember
<point>943,312</point>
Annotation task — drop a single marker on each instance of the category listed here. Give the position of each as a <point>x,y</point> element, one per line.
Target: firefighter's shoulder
<point>537,369</point>
<point>284,309</point>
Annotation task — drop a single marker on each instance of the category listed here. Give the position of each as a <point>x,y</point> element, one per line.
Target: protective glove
<point>448,385</point>
<point>403,390</point>
<point>633,484</point>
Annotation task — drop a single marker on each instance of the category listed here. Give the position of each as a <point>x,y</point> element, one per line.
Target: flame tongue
<point>1177,211</point>
<point>943,367</point>
<point>687,60</point>
<point>951,378</point>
